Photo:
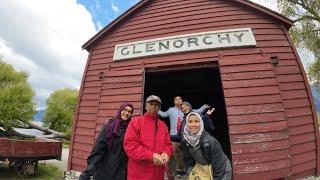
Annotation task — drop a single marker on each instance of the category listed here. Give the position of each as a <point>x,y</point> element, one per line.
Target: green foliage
<point>15,97</point>
<point>60,109</point>
<point>314,72</point>
<point>306,32</point>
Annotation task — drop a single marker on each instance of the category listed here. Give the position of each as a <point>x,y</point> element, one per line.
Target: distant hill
<point>39,115</point>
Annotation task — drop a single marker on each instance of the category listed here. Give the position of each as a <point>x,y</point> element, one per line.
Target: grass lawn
<point>65,145</point>
<point>45,172</point>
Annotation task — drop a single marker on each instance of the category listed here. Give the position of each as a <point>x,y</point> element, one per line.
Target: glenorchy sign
<point>187,42</point>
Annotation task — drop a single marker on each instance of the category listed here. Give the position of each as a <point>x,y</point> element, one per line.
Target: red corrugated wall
<point>271,119</point>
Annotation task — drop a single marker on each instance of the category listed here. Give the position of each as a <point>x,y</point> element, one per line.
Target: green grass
<point>45,172</point>
<point>66,144</point>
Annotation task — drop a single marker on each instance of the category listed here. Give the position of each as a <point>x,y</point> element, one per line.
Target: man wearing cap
<point>147,144</point>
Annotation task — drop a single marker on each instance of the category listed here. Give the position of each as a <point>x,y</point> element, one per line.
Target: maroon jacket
<point>145,136</point>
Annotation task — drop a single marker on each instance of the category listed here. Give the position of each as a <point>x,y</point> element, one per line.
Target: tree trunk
<point>12,132</point>
<point>50,134</point>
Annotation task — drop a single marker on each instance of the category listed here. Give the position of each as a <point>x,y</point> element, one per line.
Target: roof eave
<point>287,22</point>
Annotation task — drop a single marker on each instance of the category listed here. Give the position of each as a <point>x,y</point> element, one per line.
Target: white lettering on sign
<point>188,42</point>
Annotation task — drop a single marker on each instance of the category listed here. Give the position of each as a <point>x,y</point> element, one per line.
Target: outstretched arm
<point>164,114</point>
<point>202,109</point>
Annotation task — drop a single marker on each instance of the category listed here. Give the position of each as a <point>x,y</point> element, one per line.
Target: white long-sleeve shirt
<point>173,113</point>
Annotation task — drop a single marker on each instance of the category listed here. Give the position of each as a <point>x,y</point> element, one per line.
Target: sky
<point>44,38</point>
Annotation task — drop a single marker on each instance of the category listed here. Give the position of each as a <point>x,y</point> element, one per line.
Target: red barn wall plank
<point>256,118</point>
<point>260,157</point>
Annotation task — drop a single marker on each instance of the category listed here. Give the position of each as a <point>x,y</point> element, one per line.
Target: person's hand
<point>165,158</point>
<point>209,112</point>
<point>157,159</point>
<point>207,106</point>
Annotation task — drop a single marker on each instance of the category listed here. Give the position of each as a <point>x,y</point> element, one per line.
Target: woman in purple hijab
<point>108,159</point>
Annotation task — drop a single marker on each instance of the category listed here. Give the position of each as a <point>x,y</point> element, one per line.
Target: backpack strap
<point>205,148</point>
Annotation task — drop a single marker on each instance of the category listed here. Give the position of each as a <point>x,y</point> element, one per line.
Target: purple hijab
<point>113,126</point>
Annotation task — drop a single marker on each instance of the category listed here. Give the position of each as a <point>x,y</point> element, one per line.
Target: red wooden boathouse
<point>233,54</point>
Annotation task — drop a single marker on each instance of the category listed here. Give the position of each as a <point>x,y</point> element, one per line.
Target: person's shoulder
<point>108,123</point>
<point>171,108</point>
<point>207,137</point>
<point>136,119</point>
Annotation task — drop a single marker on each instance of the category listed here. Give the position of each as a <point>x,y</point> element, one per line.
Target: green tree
<point>306,32</point>
<point>60,109</point>
<point>16,95</point>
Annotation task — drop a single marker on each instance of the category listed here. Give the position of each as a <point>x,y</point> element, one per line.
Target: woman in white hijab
<point>201,149</point>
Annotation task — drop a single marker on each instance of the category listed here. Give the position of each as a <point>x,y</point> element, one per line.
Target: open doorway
<point>198,85</point>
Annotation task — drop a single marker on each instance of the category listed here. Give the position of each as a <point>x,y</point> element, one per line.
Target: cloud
<point>271,4</point>
<point>44,38</point>
<point>99,25</point>
<point>114,7</point>
<point>133,2</point>
<point>307,57</point>
<point>11,57</point>
<point>97,5</point>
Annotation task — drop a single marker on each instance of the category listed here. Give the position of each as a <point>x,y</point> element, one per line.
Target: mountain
<point>39,115</point>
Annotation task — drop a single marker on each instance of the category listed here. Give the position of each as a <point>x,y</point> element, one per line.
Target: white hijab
<point>193,139</point>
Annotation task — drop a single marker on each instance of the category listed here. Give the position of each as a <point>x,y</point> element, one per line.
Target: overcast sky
<point>44,38</point>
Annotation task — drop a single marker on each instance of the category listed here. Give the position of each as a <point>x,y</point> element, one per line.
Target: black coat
<point>211,153</point>
<point>106,163</point>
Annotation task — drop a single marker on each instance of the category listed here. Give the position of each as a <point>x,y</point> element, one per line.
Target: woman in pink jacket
<point>147,144</point>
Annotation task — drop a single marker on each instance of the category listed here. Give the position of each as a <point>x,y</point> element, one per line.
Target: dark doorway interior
<point>197,86</point>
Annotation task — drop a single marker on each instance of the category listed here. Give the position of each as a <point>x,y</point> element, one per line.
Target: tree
<point>15,97</point>
<point>60,109</point>
<point>306,32</point>
<point>16,105</point>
